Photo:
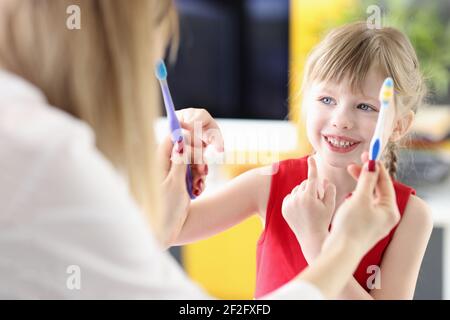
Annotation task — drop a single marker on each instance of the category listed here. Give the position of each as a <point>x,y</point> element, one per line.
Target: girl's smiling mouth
<point>340,144</point>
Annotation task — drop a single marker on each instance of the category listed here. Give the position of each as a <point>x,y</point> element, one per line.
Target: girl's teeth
<point>339,143</point>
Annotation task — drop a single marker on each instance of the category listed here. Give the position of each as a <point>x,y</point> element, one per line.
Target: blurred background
<point>243,62</point>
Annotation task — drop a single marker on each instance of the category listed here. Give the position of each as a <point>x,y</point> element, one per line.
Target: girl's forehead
<point>366,85</point>
<point>369,88</point>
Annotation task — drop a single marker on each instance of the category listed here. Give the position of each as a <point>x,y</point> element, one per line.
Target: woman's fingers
<point>367,181</point>
<point>385,188</point>
<point>178,162</point>
<point>164,153</point>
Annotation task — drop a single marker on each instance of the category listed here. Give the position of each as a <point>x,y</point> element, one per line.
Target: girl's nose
<point>342,120</point>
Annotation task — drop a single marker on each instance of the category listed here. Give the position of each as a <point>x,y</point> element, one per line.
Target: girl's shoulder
<point>398,186</point>
<point>415,211</point>
<point>403,194</point>
<point>418,212</point>
<point>414,228</point>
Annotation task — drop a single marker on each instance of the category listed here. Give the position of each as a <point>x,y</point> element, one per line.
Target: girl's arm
<point>403,257</point>
<point>236,201</point>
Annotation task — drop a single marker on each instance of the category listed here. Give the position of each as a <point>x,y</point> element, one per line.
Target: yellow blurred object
<point>225,265</point>
<point>432,122</point>
<point>309,20</point>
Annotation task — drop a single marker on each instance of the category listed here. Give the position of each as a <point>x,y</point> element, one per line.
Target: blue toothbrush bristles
<point>160,70</point>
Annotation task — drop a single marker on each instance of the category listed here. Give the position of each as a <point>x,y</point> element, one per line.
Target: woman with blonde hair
<point>78,167</point>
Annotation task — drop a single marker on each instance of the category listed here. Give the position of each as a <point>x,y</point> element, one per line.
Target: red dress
<point>279,257</point>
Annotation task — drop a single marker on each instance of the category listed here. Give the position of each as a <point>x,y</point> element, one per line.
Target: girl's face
<point>340,123</point>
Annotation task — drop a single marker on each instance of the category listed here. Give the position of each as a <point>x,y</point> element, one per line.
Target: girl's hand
<point>308,211</point>
<point>199,130</point>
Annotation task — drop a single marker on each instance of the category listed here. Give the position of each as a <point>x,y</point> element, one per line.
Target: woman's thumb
<point>179,160</point>
<point>367,180</point>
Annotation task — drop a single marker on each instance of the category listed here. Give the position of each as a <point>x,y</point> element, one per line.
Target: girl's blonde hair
<point>101,73</point>
<point>351,50</point>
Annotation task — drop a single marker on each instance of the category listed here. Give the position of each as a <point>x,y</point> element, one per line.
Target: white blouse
<point>69,228</point>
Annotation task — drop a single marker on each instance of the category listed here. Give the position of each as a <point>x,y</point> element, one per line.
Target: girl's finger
<point>211,133</point>
<point>294,191</point>
<point>196,174</point>
<point>191,139</point>
<point>203,169</point>
<point>311,187</point>
<point>321,187</point>
<point>199,187</point>
<point>286,201</point>
<point>198,157</point>
<point>312,168</point>
<point>300,187</point>
<point>329,198</point>
<point>303,185</point>
<point>354,170</point>
<point>365,157</point>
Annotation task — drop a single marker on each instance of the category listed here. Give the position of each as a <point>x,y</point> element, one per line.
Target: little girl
<point>343,76</point>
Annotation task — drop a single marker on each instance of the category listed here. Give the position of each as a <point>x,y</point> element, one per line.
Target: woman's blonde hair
<point>351,50</point>
<point>101,73</point>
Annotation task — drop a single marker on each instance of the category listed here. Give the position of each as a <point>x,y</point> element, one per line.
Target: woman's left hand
<point>199,130</point>
<point>308,210</point>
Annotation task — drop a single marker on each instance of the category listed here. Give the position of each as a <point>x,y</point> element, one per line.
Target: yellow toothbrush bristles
<point>387,90</point>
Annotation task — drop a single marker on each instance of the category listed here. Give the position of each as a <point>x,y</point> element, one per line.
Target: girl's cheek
<point>315,124</point>
<point>314,113</point>
<point>319,119</point>
<point>367,127</point>
<point>311,120</point>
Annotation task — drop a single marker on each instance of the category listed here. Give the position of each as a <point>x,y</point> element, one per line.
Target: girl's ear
<point>402,126</point>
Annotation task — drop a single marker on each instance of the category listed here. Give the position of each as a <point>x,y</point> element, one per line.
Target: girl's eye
<point>327,100</point>
<point>365,107</point>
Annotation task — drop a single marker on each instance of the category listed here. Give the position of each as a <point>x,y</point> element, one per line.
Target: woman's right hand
<point>371,212</point>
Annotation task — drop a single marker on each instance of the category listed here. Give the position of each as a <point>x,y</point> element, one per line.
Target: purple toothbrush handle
<point>189,184</point>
